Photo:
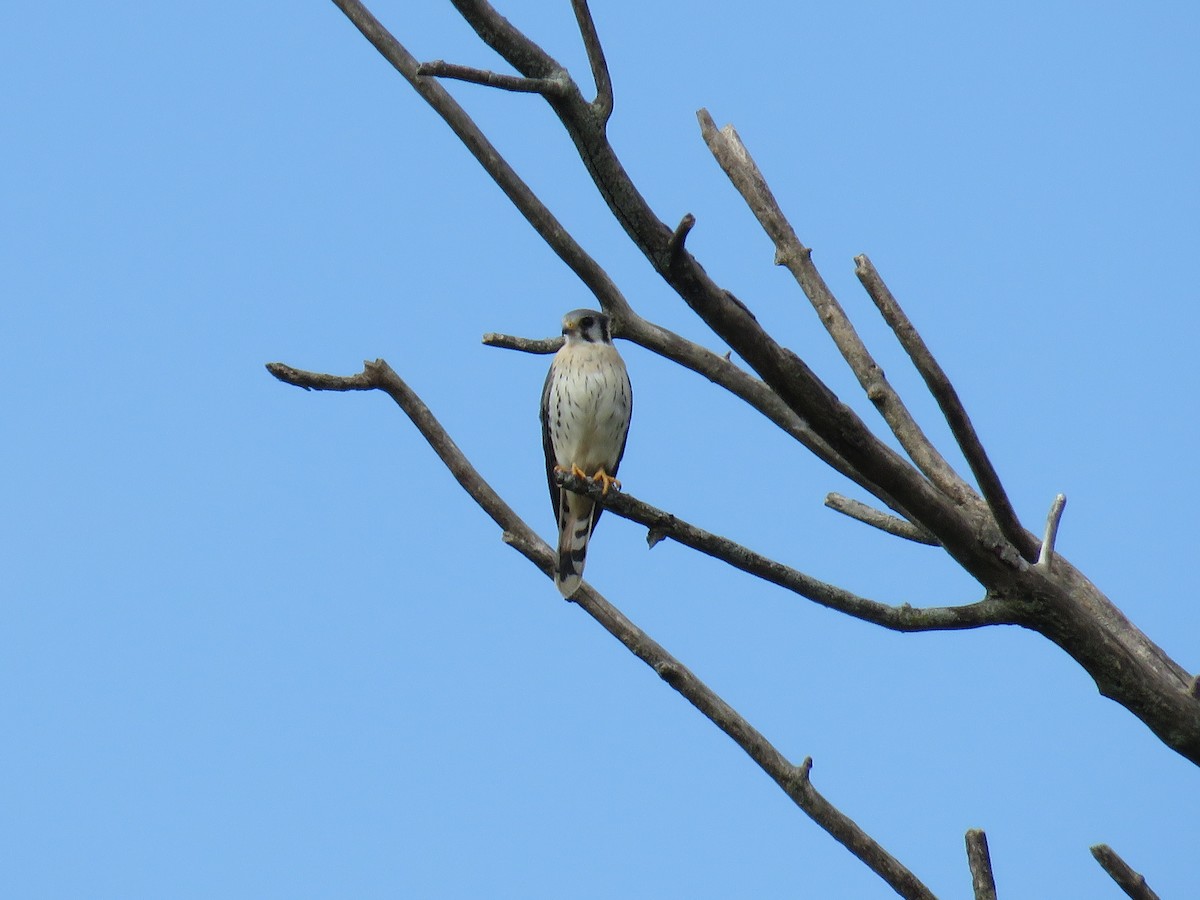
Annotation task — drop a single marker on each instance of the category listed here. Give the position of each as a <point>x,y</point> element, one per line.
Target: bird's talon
<point>606,481</point>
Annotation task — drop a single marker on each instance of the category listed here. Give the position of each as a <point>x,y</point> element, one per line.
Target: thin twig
<point>904,618</point>
<point>868,515</point>
<point>980,861</point>
<point>603,104</point>
<point>439,68</point>
<point>525,345</point>
<point>1131,882</point>
<point>951,406</point>
<point>793,779</point>
<point>737,163</point>
<point>1046,555</point>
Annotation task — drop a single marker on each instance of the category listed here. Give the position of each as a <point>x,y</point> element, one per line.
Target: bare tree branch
<point>626,323</point>
<point>947,399</point>
<point>881,520</point>
<point>897,618</point>
<point>525,345</point>
<point>678,237</point>
<point>793,779</point>
<point>733,157</point>
<point>984,536</point>
<point>603,104</point>
<point>517,191</point>
<point>441,69</point>
<point>1058,602</point>
<point>1131,882</point>
<point>980,861</point>
<point>510,42</point>
<point>1046,554</point>
<point>885,473</point>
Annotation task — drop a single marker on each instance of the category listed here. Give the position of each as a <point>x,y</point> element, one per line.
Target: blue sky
<point>256,642</point>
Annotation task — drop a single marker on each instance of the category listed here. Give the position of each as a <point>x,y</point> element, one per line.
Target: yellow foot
<point>607,481</point>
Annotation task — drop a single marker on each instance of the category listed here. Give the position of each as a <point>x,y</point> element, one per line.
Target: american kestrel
<point>586,406</point>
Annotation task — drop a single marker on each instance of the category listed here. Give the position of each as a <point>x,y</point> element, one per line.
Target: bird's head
<point>586,326</point>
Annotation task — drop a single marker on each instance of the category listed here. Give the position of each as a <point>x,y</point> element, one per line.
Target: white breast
<point>590,403</point>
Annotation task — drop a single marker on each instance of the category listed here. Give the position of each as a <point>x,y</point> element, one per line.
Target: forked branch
<point>733,157</point>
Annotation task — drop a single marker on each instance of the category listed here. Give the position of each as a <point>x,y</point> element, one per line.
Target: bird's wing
<point>547,444</point>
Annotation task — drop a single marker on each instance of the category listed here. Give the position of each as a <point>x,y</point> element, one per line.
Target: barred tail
<point>575,520</point>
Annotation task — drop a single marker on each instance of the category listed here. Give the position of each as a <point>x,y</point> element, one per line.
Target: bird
<point>587,404</point>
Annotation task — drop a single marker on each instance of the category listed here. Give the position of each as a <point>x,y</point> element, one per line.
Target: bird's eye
<point>586,323</point>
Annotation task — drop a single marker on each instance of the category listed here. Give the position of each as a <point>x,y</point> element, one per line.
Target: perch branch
<point>905,618</point>
<point>878,519</point>
<point>793,779</point>
<point>951,406</point>
<point>439,68</point>
<point>1131,882</point>
<point>737,163</point>
<point>980,861</point>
